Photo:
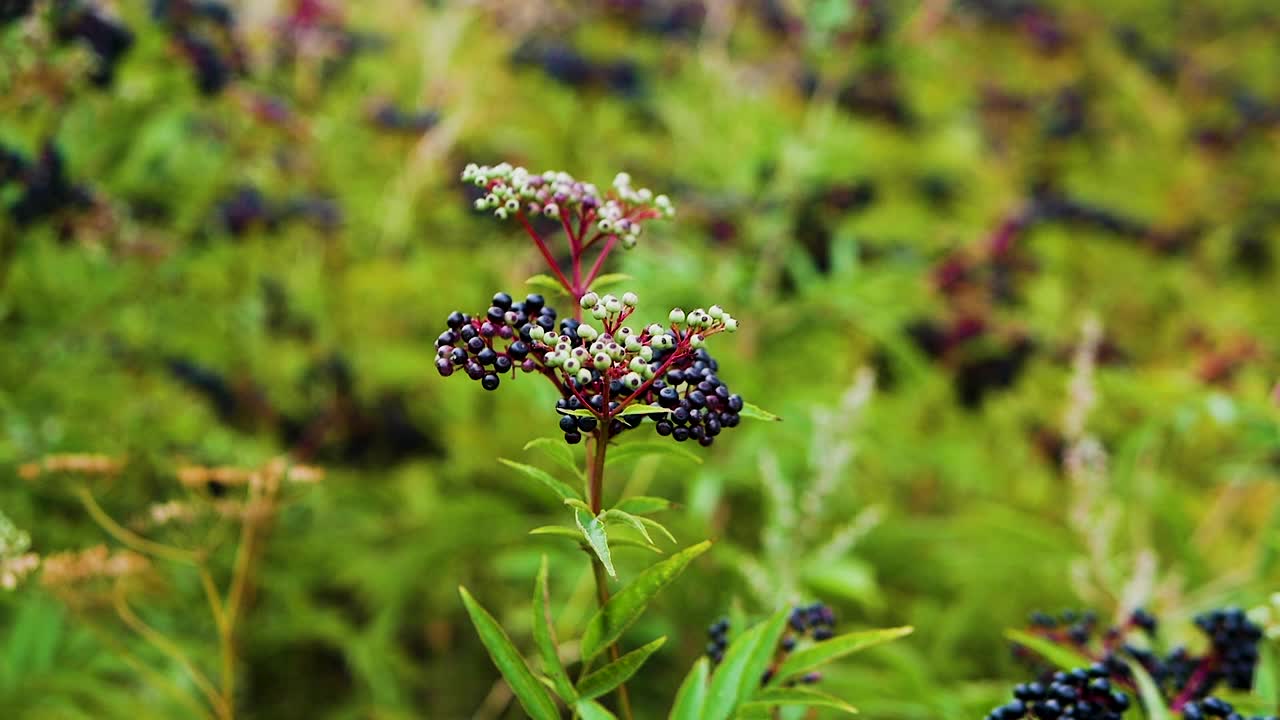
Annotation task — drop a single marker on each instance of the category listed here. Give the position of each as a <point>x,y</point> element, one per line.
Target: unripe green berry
<point>571,365</point>
<point>637,364</point>
<point>646,353</point>
<point>599,312</point>
<point>676,316</point>
<point>716,312</point>
<point>695,341</point>
<point>586,332</point>
<point>632,380</point>
<point>584,376</point>
<point>537,333</point>
<point>731,324</point>
<point>655,329</point>
<point>603,361</point>
<point>589,300</point>
<point>632,344</point>
<point>630,299</point>
<point>613,306</point>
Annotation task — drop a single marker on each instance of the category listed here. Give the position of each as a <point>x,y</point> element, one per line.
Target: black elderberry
<point>680,434</point>
<point>518,350</point>
<point>587,424</point>
<point>573,438</point>
<point>490,382</point>
<point>568,423</point>
<point>456,320</point>
<point>502,300</point>
<point>458,356</point>
<point>474,370</point>
<point>444,367</point>
<point>502,364</point>
<point>486,356</point>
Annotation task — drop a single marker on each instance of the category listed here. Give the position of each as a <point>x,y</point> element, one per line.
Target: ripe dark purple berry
<point>444,367</point>
<point>490,382</point>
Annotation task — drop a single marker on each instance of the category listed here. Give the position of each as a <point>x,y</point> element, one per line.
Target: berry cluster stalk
<point>595,492</point>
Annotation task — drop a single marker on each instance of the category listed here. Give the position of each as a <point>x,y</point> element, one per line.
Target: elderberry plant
<point>611,374</point>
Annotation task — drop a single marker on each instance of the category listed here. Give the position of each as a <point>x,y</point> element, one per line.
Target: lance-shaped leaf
<point>738,670</point>
<point>560,488</point>
<point>609,622</point>
<point>761,655</point>
<point>1152,700</point>
<point>693,692</point>
<point>819,654</point>
<point>755,412</point>
<point>544,637</point>
<point>617,672</point>
<point>576,536</point>
<point>765,701</point>
<point>642,448</point>
<point>627,518</point>
<point>642,409</point>
<point>1265,687</point>
<point>642,504</point>
<point>593,530</point>
<point>546,283</point>
<point>608,279</point>
<point>1064,659</point>
<point>533,697</point>
<point>558,451</point>
<point>580,412</point>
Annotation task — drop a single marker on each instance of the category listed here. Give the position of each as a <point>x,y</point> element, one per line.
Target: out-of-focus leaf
<point>617,672</point>
<point>732,674</point>
<point>558,451</point>
<point>643,448</point>
<point>693,692</point>
<point>640,504</point>
<point>1060,657</point>
<point>546,284</point>
<point>819,654</point>
<point>609,622</point>
<point>849,578</point>
<point>770,698</point>
<point>533,697</point>
<point>628,519</point>
<point>560,488</point>
<point>761,655</point>
<point>1152,700</point>
<point>593,530</point>
<point>755,412</point>
<point>1265,687</point>
<point>544,637</point>
<point>608,279</point>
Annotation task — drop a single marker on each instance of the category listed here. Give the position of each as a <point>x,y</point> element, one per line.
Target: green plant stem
<point>595,495</point>
<point>129,538</point>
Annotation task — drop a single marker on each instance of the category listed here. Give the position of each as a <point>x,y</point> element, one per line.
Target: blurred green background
<point>916,209</point>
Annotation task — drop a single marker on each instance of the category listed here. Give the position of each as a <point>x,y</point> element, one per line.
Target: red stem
<point>599,263</point>
<point>546,254</point>
<point>575,250</point>
<point>1193,683</point>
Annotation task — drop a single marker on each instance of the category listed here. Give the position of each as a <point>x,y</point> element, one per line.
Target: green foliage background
<point>357,614</point>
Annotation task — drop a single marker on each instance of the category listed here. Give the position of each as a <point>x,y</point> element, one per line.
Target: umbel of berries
<point>611,375</point>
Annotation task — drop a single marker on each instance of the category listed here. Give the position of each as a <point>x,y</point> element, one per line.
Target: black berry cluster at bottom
<point>1082,694</point>
<point>1213,707</point>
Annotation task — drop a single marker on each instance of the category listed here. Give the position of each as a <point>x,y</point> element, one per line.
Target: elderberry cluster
<point>602,372</point>
<point>1082,694</point>
<point>1185,680</point>
<point>815,622</point>
<point>1216,708</point>
<point>473,343</point>
<point>618,213</point>
<point>44,190</point>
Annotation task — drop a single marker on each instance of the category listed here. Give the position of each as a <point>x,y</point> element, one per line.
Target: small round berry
<point>676,316</point>
<point>568,423</point>
<point>444,367</point>
<point>573,438</point>
<point>502,364</point>
<point>664,427</point>
<point>630,299</point>
<point>589,300</point>
<point>502,300</point>
<point>490,382</point>
<point>486,356</point>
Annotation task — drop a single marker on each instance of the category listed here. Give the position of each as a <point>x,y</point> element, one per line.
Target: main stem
<point>595,494</point>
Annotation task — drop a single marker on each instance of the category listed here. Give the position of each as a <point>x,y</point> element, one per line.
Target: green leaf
<point>563,490</point>
<point>609,279</point>
<point>558,451</point>
<point>609,622</point>
<point>593,531</point>
<point>1265,687</point>
<point>755,412</point>
<point>592,710</point>
<point>731,677</point>
<point>820,654</point>
<point>578,504</point>
<point>850,578</point>
<point>544,637</point>
<point>642,409</point>
<point>580,412</point>
<point>761,655</point>
<point>632,450</point>
<point>628,519</point>
<point>659,527</point>
<point>533,697</point>
<point>641,504</point>
<point>546,283</point>
<point>617,672</point>
<point>1063,658</point>
<point>693,692</point>
<point>797,696</point>
<point>1149,692</point>
<point>575,535</point>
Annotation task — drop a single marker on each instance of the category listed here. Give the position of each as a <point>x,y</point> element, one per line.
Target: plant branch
<point>546,253</point>
<point>599,264</point>
<point>595,494</point>
<point>129,538</point>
